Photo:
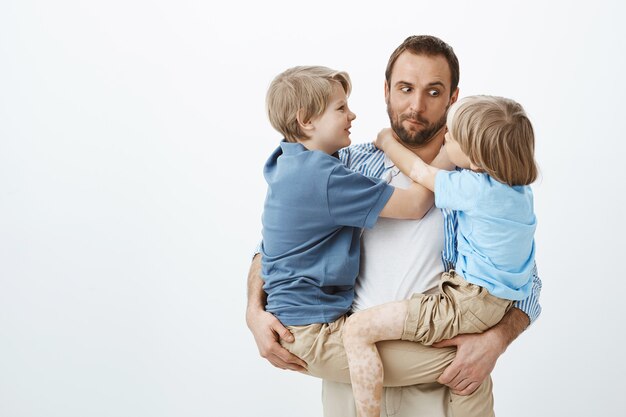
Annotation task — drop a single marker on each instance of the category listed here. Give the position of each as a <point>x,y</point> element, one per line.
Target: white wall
<point>132,137</point>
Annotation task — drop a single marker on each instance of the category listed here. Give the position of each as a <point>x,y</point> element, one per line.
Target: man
<point>402,257</point>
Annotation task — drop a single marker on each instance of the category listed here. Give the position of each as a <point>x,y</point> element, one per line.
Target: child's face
<point>456,155</point>
<point>331,129</point>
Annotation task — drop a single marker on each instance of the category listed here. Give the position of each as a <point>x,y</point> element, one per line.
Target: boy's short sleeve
<point>354,199</point>
<point>457,190</point>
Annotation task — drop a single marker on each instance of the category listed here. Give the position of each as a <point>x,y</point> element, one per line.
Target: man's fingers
<point>458,382</point>
<point>281,357</point>
<point>286,360</point>
<point>447,343</point>
<point>276,362</point>
<point>444,343</point>
<point>290,359</point>
<point>448,375</point>
<point>283,332</point>
<point>280,363</point>
<point>268,331</point>
<point>468,390</point>
<point>292,366</point>
<point>461,384</point>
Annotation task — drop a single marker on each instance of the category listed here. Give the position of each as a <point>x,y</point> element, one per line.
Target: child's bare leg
<point>360,334</point>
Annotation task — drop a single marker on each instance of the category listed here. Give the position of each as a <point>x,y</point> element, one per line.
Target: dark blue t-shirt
<point>314,210</point>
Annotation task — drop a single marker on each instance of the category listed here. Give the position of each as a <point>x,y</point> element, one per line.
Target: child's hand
<point>382,138</point>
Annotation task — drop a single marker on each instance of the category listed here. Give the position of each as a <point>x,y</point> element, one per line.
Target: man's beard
<point>419,137</point>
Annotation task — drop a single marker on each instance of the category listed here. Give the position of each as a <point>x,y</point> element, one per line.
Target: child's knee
<point>354,330</point>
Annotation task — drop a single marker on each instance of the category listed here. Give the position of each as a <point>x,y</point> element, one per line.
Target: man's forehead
<point>422,69</point>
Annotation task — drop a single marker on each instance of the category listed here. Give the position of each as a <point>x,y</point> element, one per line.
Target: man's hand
<point>267,329</point>
<point>477,354</point>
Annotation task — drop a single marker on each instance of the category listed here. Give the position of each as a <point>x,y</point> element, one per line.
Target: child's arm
<point>409,163</point>
<point>411,203</point>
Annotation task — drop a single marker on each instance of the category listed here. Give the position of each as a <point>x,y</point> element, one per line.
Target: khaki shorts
<point>405,363</point>
<point>459,307</point>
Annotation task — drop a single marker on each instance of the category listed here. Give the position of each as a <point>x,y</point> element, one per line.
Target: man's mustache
<point>414,117</point>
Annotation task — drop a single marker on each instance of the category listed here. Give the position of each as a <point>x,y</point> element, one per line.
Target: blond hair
<point>497,136</point>
<point>301,92</point>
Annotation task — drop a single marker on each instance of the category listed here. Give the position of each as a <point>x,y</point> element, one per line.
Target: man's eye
<point>406,89</point>
<point>434,93</point>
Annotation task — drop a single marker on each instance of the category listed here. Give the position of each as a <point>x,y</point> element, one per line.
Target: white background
<point>132,138</point>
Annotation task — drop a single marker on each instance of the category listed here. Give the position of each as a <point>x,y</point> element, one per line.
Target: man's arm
<point>266,328</point>
<point>477,354</point>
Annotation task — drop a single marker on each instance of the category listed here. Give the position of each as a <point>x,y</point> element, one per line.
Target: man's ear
<point>454,97</point>
<point>305,125</point>
<point>386,93</point>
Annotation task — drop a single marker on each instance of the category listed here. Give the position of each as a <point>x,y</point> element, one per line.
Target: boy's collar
<point>291,148</point>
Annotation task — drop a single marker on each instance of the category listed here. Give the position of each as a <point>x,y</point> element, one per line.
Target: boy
<point>493,140</point>
<point>315,207</point>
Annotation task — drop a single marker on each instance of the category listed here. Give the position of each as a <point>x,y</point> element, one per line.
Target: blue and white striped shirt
<point>368,160</point>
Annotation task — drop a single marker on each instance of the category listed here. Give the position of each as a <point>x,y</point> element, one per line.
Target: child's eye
<point>342,108</point>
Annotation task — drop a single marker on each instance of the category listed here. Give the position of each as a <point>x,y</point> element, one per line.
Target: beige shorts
<point>459,307</point>
<point>405,363</point>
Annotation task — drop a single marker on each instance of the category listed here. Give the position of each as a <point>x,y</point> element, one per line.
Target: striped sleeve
<point>448,256</point>
<point>531,305</point>
<point>364,158</point>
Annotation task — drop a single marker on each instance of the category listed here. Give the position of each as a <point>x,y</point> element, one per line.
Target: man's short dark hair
<point>429,46</point>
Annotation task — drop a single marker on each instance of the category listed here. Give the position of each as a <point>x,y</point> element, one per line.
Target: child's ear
<point>305,125</point>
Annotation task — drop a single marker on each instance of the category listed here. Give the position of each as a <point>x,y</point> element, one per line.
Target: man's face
<point>418,97</point>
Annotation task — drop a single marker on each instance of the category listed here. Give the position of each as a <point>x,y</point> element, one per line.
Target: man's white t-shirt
<point>399,257</point>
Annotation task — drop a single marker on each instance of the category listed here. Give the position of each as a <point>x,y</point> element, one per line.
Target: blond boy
<point>316,207</point>
<point>492,138</point>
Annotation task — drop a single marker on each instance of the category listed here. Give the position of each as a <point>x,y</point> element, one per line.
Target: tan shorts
<point>459,307</point>
<point>404,363</point>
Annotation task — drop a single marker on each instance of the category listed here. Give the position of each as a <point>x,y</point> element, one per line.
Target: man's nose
<point>417,104</point>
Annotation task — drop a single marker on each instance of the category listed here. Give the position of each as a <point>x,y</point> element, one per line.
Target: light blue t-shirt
<point>495,235</point>
<point>314,210</point>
